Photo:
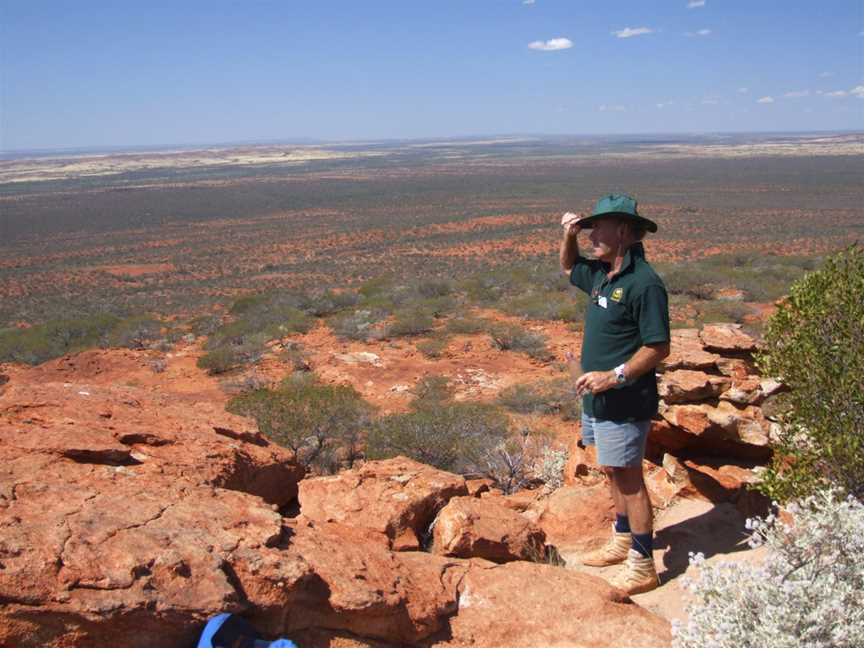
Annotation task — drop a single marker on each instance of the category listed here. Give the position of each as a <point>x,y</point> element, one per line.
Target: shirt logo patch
<point>617,294</point>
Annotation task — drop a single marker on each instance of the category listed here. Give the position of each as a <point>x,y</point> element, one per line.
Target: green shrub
<point>512,337</point>
<point>55,338</point>
<point>452,436</point>
<point>544,305</point>
<point>219,360</point>
<point>722,311</point>
<point>814,343</point>
<point>205,325</point>
<point>358,325</point>
<point>328,302</point>
<point>321,423</point>
<point>434,288</point>
<point>411,321</point>
<point>467,325</point>
<point>543,397</point>
<point>433,347</point>
<point>133,333</point>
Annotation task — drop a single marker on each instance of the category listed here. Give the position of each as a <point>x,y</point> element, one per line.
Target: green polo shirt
<point>636,313</point>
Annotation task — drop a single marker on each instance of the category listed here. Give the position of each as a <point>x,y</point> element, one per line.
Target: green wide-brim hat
<point>620,205</point>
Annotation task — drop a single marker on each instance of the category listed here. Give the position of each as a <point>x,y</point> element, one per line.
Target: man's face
<point>606,237</point>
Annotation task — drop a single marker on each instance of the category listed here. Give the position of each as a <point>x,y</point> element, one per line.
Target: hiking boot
<point>638,575</point>
<point>612,553</point>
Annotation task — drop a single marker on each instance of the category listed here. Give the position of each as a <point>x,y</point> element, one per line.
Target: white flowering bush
<point>808,591</point>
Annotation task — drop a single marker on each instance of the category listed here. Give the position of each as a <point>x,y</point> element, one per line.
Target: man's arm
<point>644,360</point>
<point>569,247</point>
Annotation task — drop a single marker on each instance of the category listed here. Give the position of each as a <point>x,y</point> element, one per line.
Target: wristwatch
<point>619,374</point>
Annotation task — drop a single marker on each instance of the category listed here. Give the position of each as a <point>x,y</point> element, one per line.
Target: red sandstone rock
<point>470,528</point>
<point>687,352</point>
<point>737,368</point>
<point>687,386</point>
<point>359,585</point>
<point>476,487</point>
<point>722,429</point>
<point>397,497</point>
<point>726,338</point>
<point>525,604</point>
<point>574,517</point>
<point>120,425</point>
<point>744,392</point>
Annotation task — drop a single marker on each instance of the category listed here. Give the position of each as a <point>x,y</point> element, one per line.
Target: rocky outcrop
<point>128,516</point>
<point>472,528</point>
<point>712,408</point>
<point>397,498</point>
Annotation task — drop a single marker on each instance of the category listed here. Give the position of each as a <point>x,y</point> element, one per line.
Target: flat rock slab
<point>687,352</point>
<point>689,386</point>
<point>527,604</point>
<point>727,338</point>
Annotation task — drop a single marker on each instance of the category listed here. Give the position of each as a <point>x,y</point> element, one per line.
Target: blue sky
<point>100,74</point>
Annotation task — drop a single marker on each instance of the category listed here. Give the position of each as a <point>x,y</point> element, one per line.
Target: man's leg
<point>615,550</point>
<point>629,484</point>
<point>639,574</point>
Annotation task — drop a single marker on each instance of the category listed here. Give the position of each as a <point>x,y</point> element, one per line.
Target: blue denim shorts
<point>619,444</point>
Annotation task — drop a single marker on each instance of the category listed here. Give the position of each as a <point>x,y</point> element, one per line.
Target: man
<point>626,335</point>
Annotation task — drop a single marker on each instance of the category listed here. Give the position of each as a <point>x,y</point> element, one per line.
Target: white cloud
<point>528,2</point>
<point>743,90</point>
<point>836,93</point>
<point>551,45</point>
<point>612,108</point>
<point>701,32</point>
<point>797,93</point>
<point>664,104</point>
<point>693,4</point>
<point>710,102</point>
<point>765,100</point>
<point>825,75</point>
<point>628,32</point>
<point>858,91</point>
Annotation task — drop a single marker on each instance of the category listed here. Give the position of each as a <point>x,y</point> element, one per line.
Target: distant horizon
<point>308,141</point>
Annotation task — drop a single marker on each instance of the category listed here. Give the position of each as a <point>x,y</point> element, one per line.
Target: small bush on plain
<point>542,397</point>
<point>451,436</point>
<point>322,424</point>
<point>512,337</point>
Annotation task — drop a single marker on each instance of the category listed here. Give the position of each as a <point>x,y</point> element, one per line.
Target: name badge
<point>601,301</point>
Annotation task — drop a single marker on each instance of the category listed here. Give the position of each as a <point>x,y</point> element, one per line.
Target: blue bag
<point>231,631</point>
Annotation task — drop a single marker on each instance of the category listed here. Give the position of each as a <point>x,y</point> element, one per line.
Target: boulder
<point>689,386</point>
<point>468,527</point>
<point>727,339</point>
<point>358,585</point>
<point>574,518</point>
<point>396,497</point>
<point>525,604</point>
<point>687,352</point>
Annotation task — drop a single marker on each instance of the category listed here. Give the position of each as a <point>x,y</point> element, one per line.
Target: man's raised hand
<point>570,223</point>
